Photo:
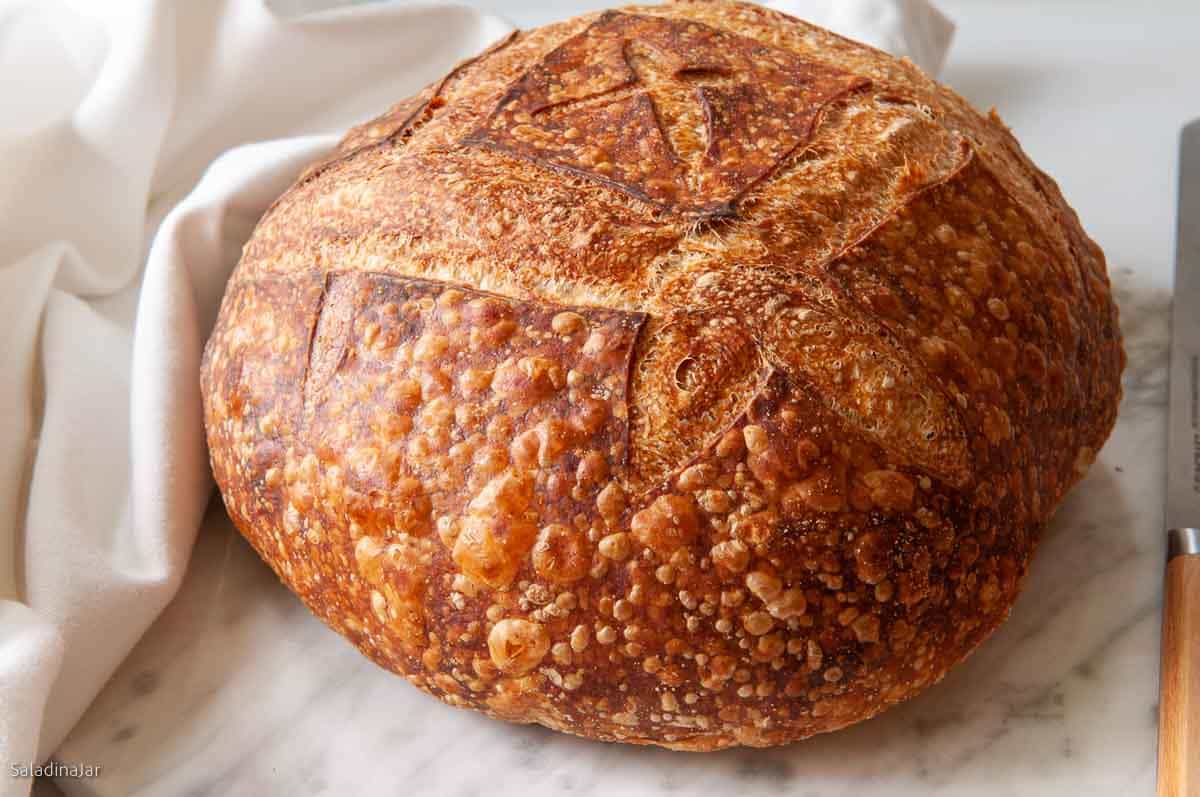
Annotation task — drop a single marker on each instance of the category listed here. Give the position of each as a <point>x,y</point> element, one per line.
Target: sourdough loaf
<point>684,375</point>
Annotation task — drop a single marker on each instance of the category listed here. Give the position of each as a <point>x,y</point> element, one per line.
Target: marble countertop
<point>237,690</point>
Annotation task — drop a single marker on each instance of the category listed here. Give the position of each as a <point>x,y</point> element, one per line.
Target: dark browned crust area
<point>592,107</point>
<point>685,375</point>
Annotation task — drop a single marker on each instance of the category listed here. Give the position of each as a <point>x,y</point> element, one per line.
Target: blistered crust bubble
<point>684,375</point>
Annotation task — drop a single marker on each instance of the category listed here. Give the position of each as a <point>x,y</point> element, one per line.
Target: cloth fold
<point>114,255</point>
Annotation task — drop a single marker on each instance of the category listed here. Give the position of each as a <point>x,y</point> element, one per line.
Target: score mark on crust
<point>671,112</point>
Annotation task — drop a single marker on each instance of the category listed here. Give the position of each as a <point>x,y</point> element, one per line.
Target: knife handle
<point>1179,685</point>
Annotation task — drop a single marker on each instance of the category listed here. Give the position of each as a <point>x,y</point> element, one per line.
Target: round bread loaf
<point>683,375</point>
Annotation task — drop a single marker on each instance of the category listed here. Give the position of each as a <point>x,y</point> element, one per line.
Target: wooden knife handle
<point>1179,687</point>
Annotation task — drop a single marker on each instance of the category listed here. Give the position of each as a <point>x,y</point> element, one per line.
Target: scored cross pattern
<point>674,113</point>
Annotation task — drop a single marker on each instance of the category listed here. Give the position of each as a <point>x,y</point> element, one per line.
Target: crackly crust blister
<point>734,431</point>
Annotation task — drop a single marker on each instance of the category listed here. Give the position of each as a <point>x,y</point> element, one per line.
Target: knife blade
<point>1183,419</point>
<point>1179,684</point>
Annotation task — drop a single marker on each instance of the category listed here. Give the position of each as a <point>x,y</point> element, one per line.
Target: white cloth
<point>910,28</point>
<point>112,111</point>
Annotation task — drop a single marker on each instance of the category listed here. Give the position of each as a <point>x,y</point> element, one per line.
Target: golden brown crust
<point>733,424</point>
<point>670,111</point>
